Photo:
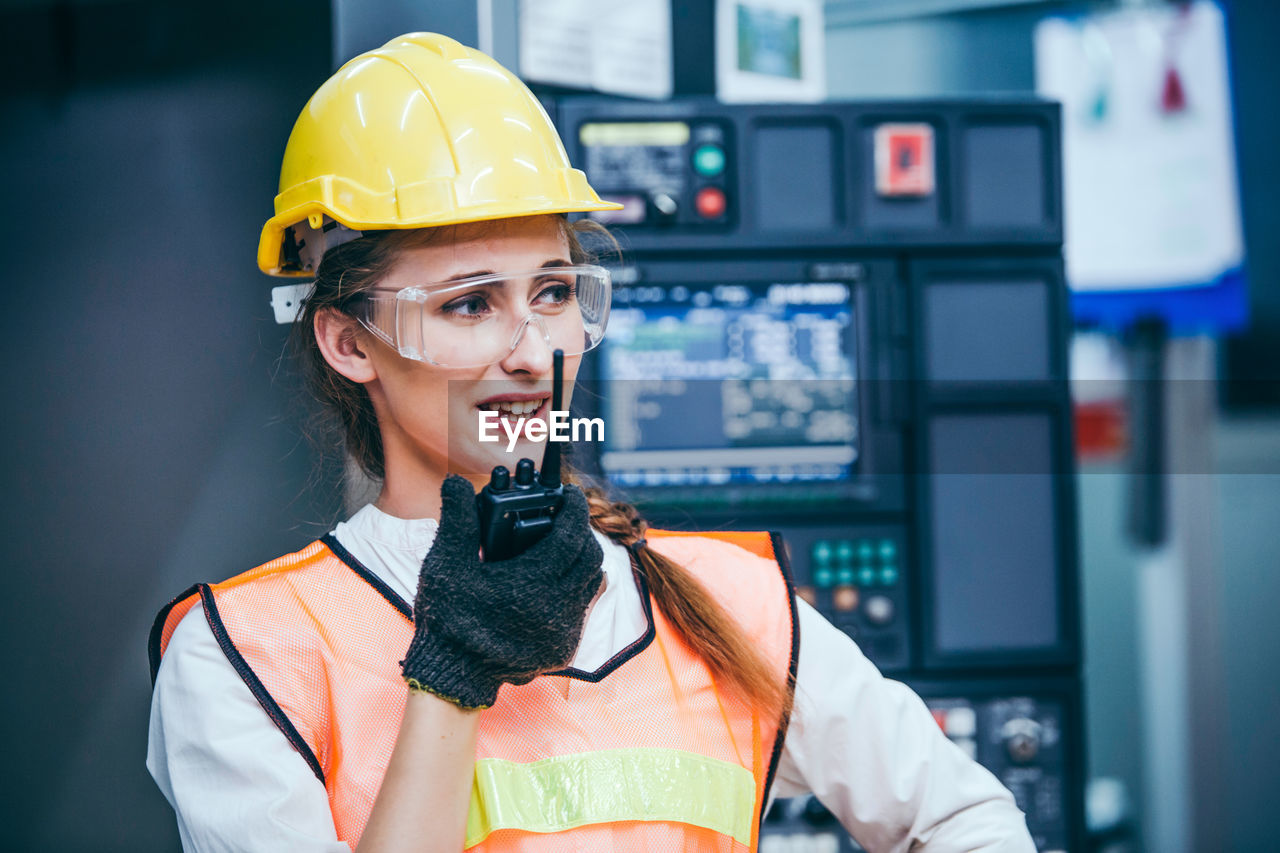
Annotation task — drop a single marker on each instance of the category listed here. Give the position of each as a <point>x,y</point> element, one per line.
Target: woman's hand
<point>478,624</point>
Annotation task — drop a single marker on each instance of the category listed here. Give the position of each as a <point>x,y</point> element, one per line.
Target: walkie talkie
<point>516,514</point>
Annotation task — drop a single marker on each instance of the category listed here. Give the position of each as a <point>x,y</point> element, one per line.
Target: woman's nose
<point>530,349</point>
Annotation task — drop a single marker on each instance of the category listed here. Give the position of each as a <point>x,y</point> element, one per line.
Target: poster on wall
<point>770,50</point>
<point>1150,189</point>
<point>620,47</point>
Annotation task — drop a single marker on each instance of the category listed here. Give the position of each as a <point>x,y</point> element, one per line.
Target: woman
<point>610,687</point>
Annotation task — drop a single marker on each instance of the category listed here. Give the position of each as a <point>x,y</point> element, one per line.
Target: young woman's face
<point>430,415</point>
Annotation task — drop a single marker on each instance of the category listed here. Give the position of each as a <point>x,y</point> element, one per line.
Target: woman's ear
<point>340,339</point>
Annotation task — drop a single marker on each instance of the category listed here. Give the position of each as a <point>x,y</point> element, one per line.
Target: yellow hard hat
<point>423,131</point>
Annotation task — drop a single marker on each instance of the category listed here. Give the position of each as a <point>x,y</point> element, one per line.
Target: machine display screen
<point>730,383</point>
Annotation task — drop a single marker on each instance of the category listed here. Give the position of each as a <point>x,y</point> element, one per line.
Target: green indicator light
<point>866,576</point>
<point>823,578</point>
<point>865,551</point>
<point>844,553</point>
<point>708,160</point>
<point>888,550</point>
<point>821,553</point>
<point>889,575</point>
<point>844,576</point>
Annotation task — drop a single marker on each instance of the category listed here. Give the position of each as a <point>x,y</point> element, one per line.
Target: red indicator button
<point>710,202</point>
<point>904,160</point>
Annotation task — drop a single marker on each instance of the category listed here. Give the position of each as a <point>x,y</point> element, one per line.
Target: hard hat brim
<point>271,243</point>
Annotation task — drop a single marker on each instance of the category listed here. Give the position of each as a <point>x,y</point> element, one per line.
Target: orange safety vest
<point>645,753</point>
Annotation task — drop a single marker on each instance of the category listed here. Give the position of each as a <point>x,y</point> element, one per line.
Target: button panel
<point>666,174</point>
<point>856,577</point>
<point>1020,740</point>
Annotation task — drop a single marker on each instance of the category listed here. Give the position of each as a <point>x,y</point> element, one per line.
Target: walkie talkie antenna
<point>551,458</point>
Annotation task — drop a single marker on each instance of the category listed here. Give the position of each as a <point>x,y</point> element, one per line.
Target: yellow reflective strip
<point>647,784</point>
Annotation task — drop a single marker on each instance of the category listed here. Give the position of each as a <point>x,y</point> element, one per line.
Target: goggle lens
<point>481,320</point>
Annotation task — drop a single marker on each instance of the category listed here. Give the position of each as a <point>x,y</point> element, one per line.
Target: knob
<point>500,478</point>
<point>665,205</point>
<point>878,610</point>
<point>524,472</point>
<point>1021,737</point>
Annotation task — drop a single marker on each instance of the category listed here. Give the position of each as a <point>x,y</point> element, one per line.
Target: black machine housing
<point>946,546</point>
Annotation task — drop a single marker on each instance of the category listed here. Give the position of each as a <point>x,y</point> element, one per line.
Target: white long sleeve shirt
<point>865,746</point>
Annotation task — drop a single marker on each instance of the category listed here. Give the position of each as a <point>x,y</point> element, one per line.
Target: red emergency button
<point>710,202</point>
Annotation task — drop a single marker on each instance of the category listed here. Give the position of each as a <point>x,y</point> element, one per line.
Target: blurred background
<point>155,437</point>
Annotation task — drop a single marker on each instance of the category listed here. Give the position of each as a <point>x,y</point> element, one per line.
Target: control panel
<point>847,322</point>
<point>663,173</point>
<point>695,174</point>
<point>1018,738</point>
<point>856,577</point>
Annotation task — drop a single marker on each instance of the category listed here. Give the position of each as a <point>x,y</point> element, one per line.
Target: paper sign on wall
<point>622,47</point>
<point>1149,171</point>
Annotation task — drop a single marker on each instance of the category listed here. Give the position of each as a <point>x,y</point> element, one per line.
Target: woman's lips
<point>522,397</point>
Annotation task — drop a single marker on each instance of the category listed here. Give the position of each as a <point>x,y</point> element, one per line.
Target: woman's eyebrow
<point>552,264</point>
<point>460,276</point>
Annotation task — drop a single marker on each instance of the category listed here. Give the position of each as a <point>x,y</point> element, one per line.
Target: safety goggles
<point>481,320</point>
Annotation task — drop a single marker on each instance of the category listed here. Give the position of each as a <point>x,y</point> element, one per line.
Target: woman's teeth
<point>517,409</point>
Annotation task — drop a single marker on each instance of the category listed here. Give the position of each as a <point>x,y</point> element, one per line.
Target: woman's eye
<point>471,305</point>
<point>555,293</point>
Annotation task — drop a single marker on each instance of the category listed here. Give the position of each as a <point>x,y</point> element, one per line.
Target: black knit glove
<point>478,625</point>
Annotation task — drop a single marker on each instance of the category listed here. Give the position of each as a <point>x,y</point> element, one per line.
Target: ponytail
<point>706,627</point>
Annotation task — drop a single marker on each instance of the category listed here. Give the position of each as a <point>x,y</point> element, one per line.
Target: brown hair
<point>352,268</point>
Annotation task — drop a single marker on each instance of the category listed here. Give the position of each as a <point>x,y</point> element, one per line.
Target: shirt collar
<point>403,534</point>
